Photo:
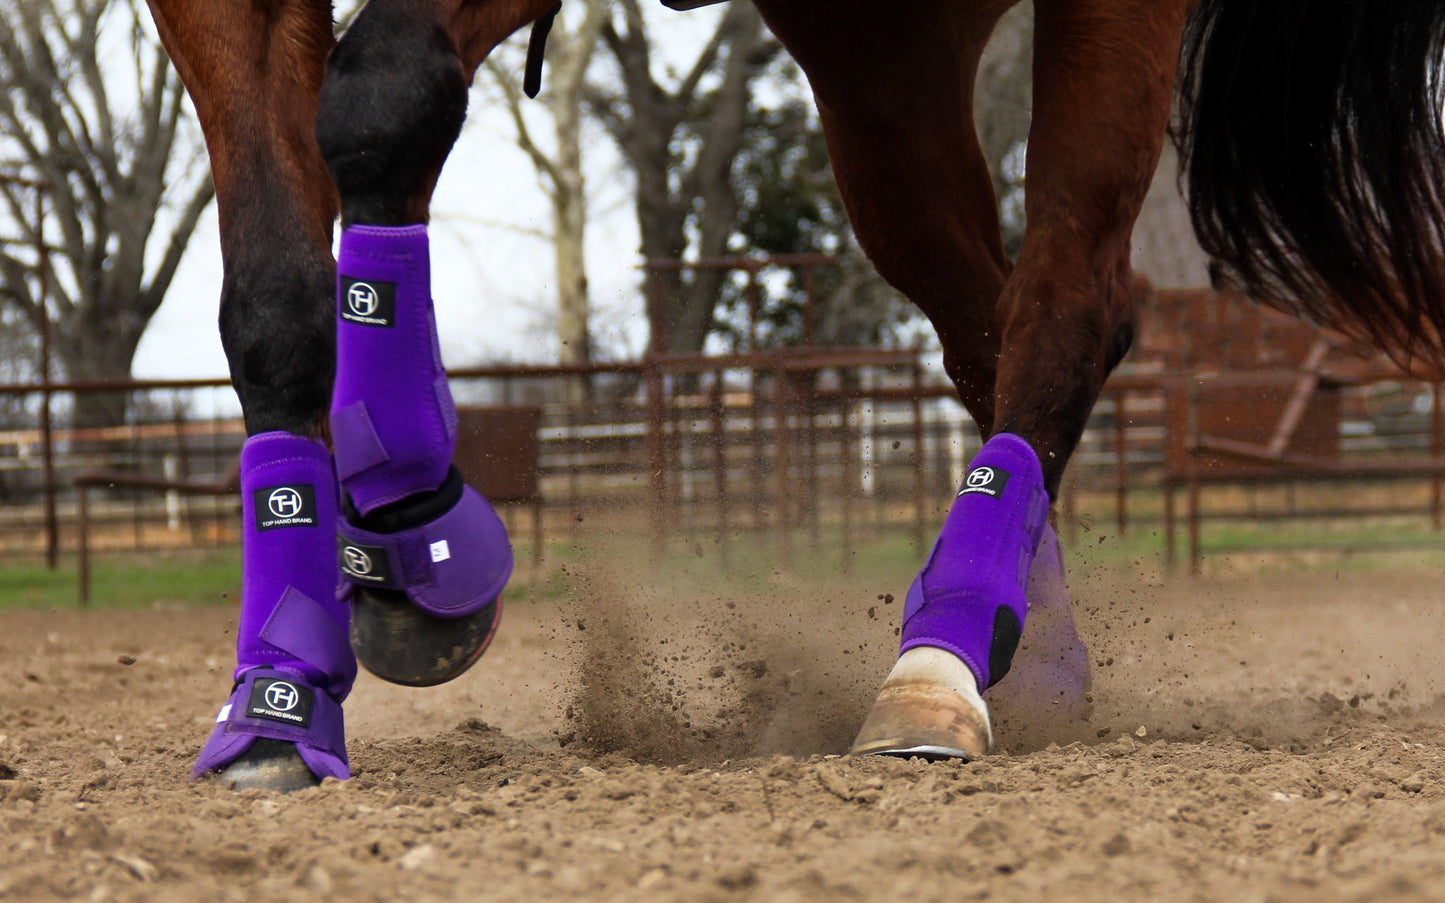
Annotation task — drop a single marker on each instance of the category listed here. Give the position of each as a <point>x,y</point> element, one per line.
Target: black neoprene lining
<point>1006,634</point>
<point>412,511</point>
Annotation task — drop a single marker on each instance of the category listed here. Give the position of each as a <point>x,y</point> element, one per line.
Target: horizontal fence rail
<point>816,446</point>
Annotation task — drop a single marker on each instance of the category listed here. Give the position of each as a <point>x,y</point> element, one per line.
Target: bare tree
<point>89,103</point>
<point>790,204</point>
<point>570,50</point>
<point>681,142</point>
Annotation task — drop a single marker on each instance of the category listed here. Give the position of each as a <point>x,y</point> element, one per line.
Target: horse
<point>1312,140</point>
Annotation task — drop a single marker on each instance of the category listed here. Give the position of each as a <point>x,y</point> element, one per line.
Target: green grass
<point>196,578</point>
<point>1359,544</point>
<point>132,580</point>
<point>755,561</point>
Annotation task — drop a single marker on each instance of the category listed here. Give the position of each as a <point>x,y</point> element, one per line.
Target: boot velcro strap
<point>358,447</point>
<point>299,626</point>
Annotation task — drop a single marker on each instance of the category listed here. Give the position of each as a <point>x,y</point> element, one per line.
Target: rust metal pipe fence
<point>40,312</point>
<point>831,444</point>
<point>814,445</point>
<point>851,439</point>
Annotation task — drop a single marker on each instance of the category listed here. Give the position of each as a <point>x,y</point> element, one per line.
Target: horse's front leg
<point>908,163</point>
<point>254,73</point>
<point>424,557</point>
<point>1103,75</point>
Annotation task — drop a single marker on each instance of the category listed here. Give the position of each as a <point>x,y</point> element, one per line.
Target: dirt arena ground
<point>1252,737</point>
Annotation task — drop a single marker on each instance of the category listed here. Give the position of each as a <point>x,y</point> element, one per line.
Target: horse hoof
<point>929,706</point>
<point>268,765</point>
<point>400,643</point>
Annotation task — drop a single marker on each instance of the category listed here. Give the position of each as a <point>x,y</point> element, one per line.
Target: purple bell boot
<point>294,665</point>
<point>424,555</point>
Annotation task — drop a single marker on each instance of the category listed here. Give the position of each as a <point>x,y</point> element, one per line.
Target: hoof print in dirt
<point>267,765</point>
<point>400,643</point>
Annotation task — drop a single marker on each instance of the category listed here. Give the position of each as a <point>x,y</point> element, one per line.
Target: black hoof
<point>268,765</point>
<point>400,643</point>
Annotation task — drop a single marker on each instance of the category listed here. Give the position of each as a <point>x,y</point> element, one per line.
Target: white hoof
<point>929,706</point>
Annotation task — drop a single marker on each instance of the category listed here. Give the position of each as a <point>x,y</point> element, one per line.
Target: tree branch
<point>160,282</point>
<point>512,96</point>
<point>705,60</point>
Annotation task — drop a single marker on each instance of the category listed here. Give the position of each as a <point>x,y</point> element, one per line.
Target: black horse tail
<point>1310,132</point>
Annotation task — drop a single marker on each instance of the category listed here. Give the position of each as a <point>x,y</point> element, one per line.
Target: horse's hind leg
<point>1028,350</point>
<point>254,74</point>
<point>1103,79</point>
<point>424,556</point>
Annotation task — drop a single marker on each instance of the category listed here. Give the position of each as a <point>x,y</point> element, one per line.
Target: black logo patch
<point>366,563</point>
<point>281,700</point>
<point>284,506</point>
<point>988,481</point>
<point>368,302</point>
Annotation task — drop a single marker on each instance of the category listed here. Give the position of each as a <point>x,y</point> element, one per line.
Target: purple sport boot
<point>423,555</point>
<point>965,612</point>
<point>282,728</point>
<point>970,597</point>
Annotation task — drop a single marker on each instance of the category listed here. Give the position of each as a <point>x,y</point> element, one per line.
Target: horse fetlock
<point>964,616</point>
<point>446,550</point>
<point>425,579</point>
<point>277,731</point>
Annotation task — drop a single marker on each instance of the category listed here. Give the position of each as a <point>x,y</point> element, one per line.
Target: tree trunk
<point>99,349</point>
<point>570,53</point>
<point>678,192</point>
<point>569,192</point>
<point>109,172</point>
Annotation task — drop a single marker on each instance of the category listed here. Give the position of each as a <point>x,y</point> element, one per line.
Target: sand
<point>1269,736</point>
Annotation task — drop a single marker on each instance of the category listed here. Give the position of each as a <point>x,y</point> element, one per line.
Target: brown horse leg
<point>424,556</point>
<point>1104,73</point>
<point>904,150</point>
<point>1061,323</point>
<point>254,71</point>
<point>907,160</point>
